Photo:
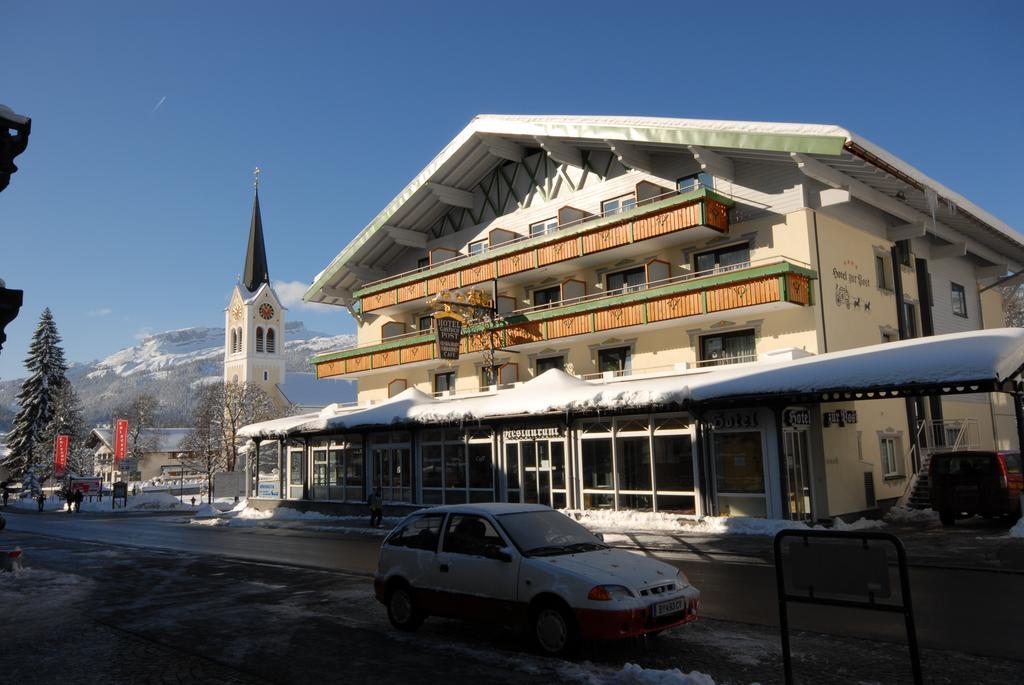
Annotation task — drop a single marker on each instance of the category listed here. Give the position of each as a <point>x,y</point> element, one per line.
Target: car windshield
<point>548,533</point>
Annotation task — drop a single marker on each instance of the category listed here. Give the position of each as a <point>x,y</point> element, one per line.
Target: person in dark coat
<point>41,500</point>
<point>6,494</point>
<point>78,500</point>
<point>376,503</point>
<point>69,497</point>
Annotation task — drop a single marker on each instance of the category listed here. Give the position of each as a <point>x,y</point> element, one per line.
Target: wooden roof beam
<point>454,197</point>
<point>503,149</point>
<point>917,229</point>
<point>561,153</point>
<point>629,155</point>
<point>365,273</point>
<point>948,251</point>
<point>405,237</point>
<point>714,163</point>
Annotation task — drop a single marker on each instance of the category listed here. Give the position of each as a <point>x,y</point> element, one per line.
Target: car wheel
<point>402,611</point>
<point>947,518</point>
<point>554,630</point>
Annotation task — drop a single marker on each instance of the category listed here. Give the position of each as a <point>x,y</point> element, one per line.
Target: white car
<point>526,564</point>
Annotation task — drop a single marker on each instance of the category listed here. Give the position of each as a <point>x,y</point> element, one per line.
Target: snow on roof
<point>992,355</point>
<point>304,390</point>
<point>167,439</point>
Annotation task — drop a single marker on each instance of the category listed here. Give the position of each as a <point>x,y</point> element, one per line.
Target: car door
<point>411,553</point>
<point>475,585</point>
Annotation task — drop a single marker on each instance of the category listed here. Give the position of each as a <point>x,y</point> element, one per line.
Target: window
<point>420,533</point>
<point>959,297</point>
<point>694,182</point>
<point>723,259</point>
<point>619,204</point>
<point>547,363</point>
<point>479,247</point>
<point>903,252</point>
<point>728,348</point>
<point>547,296</point>
<point>489,375</point>
<point>542,227</point>
<point>444,382</point>
<point>422,262</point>
<point>882,272</point>
<point>889,447</point>
<point>266,376</point>
<point>597,464</point>
<point>259,339</point>
<point>425,323</point>
<point>470,535</point>
<point>319,467</point>
<point>615,359</point>
<point>271,341</point>
<point>234,340</point>
<point>627,280</point>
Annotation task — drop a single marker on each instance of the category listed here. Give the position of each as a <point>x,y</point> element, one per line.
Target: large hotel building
<point>647,290</point>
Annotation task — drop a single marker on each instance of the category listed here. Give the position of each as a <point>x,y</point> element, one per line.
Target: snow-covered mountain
<point>169,365</point>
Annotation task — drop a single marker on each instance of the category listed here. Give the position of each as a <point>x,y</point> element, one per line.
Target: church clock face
<point>266,311</point>
<point>236,311</point>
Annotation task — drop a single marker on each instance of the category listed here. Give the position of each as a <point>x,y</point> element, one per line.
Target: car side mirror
<point>497,553</point>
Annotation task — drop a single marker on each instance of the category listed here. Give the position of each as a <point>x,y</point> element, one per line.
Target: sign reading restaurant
<point>514,434</point>
<point>448,328</point>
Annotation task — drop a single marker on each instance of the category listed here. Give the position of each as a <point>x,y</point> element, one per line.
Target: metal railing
<point>949,435</point>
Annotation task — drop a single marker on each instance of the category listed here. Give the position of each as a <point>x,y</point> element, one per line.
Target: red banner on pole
<point>60,453</point>
<point>120,439</point>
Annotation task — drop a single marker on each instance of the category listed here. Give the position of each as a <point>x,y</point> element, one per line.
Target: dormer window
<point>542,227</point>
<point>479,247</point>
<point>618,204</point>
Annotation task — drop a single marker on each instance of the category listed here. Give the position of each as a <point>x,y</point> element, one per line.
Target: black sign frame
<point>904,606</point>
<point>448,334</point>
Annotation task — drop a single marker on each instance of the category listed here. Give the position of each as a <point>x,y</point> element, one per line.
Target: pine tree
<point>67,420</point>
<point>46,368</point>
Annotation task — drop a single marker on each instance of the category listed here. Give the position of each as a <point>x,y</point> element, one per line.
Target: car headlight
<point>681,578</point>
<point>606,593</point>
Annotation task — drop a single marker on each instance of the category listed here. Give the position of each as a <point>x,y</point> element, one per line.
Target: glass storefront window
<point>597,464</point>
<point>480,472</point>
<point>677,504</point>
<point>512,469</point>
<point>319,467</point>
<point>634,462</point>
<point>673,462</point>
<point>739,463</point>
<point>431,457</point>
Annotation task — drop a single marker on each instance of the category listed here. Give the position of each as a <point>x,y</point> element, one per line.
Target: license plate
<point>673,606</point>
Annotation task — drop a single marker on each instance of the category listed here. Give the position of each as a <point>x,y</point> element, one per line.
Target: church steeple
<point>256,270</point>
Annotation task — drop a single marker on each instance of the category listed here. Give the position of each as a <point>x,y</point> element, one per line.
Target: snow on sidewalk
<point>606,521</point>
<point>282,517</point>
<point>149,501</point>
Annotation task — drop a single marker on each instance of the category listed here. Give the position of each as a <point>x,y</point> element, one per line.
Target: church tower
<point>254,319</point>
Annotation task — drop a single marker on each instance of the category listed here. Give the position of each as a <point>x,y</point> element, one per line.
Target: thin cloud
<point>158,105</point>
<point>143,333</point>
<point>105,311</point>
<point>291,293</point>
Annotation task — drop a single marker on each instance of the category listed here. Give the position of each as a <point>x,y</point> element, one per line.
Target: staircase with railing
<point>934,437</point>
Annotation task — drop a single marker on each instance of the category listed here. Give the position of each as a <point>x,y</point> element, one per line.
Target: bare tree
<point>204,449</point>
<point>244,403</point>
<point>141,414</point>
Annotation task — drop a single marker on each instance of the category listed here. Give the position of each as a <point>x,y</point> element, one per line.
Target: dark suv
<point>976,482</point>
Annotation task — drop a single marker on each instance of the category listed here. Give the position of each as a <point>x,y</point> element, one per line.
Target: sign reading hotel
<point>448,327</point>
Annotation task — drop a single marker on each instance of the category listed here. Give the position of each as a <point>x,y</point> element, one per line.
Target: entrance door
<point>392,471</point>
<point>798,474</point>
<point>543,472</point>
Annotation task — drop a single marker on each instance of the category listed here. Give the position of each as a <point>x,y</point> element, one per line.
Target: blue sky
<point>130,211</point>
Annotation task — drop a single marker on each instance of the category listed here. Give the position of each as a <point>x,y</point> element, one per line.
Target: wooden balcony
<point>776,281</point>
<point>700,208</point>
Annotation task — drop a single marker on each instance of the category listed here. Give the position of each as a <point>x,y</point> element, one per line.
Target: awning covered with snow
<point>978,361</point>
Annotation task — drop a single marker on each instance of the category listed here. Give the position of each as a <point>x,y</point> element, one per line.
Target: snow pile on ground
<point>860,524</point>
<point>152,501</point>
<point>243,516</point>
<point>1018,529</point>
<point>645,521</point>
<point>631,674</point>
<point>900,514</point>
<point>207,510</point>
<point>741,525</point>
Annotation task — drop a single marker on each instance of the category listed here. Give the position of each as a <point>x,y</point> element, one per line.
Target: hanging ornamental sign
<point>448,329</point>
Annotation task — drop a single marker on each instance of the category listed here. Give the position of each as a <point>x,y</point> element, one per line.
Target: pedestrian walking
<point>78,500</point>
<point>376,507</point>
<point>6,494</point>
<point>69,497</point>
<point>41,501</point>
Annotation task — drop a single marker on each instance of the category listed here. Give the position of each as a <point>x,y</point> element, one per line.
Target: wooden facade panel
<point>411,291</point>
<point>606,238</point>
<point>378,300</point>
<point>476,342</point>
<point>523,333</point>
<point>676,219</point>
<point>443,282</point>
<point>617,317</point>
<point>743,294</point>
<point>361,363</point>
<point>417,353</point>
<point>477,273</point>
<point>798,289</point>
<point>385,358</point>
<point>335,367</point>
<point>569,325</point>
<point>514,263</point>
<point>716,215</point>
<point>557,252</point>
<point>677,306</point>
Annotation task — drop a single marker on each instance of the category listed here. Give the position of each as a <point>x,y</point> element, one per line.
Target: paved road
<point>980,612</point>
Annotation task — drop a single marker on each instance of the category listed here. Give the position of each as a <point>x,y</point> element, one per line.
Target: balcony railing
<point>777,280</point>
<point>669,213</point>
